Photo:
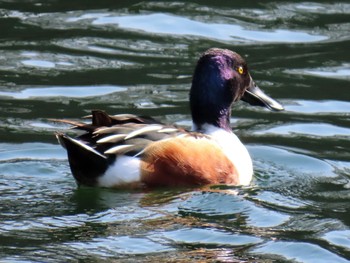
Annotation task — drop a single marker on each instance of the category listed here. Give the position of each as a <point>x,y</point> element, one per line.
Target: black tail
<point>86,163</point>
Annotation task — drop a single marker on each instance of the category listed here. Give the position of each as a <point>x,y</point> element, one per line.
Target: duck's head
<point>221,77</point>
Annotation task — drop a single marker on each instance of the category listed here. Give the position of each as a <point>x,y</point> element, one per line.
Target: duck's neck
<point>220,118</point>
<point>211,94</point>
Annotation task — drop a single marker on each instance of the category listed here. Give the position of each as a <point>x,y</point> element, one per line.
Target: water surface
<point>59,59</point>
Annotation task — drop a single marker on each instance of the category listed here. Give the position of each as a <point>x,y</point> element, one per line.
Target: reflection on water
<point>74,92</point>
<point>339,72</point>
<point>320,107</point>
<point>173,25</point>
<point>59,59</point>
<point>309,129</point>
<point>300,252</point>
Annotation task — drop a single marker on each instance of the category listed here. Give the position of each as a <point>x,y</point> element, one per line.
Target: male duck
<point>133,151</point>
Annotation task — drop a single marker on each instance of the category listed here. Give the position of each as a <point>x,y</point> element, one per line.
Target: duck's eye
<point>240,70</point>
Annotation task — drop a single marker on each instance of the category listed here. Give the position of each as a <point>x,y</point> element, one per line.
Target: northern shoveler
<point>133,151</point>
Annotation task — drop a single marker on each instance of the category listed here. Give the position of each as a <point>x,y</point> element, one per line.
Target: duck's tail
<point>86,163</point>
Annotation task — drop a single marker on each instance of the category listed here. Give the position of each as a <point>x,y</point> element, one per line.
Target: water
<point>59,59</point>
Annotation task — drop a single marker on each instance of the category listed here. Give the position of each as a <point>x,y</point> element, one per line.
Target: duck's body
<point>131,151</point>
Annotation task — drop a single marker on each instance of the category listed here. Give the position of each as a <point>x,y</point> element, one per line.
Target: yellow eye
<point>240,70</point>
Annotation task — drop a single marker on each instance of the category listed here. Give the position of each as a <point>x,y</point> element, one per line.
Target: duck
<point>131,151</point>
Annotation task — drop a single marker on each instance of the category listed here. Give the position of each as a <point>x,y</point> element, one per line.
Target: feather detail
<point>120,149</point>
<point>117,129</point>
<point>60,137</point>
<point>112,138</point>
<point>143,130</point>
<point>168,130</point>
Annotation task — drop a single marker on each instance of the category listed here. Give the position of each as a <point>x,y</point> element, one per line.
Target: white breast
<point>235,151</point>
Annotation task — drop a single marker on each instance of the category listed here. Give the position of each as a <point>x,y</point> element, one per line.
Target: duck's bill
<point>256,97</point>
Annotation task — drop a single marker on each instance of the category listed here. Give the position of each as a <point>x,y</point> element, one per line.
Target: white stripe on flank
<point>168,130</point>
<point>118,149</point>
<point>147,128</point>
<point>108,130</point>
<point>112,138</point>
<point>125,170</point>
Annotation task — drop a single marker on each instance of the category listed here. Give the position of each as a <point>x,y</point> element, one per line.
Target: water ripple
<point>232,206</point>
<point>307,129</point>
<point>59,59</point>
<point>332,107</point>
<point>175,25</point>
<point>301,252</point>
<point>27,151</point>
<point>336,72</point>
<point>70,91</point>
<point>114,245</point>
<point>209,237</point>
<point>339,238</point>
<point>288,163</point>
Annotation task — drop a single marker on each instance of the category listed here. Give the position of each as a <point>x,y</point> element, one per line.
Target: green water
<point>59,59</point>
